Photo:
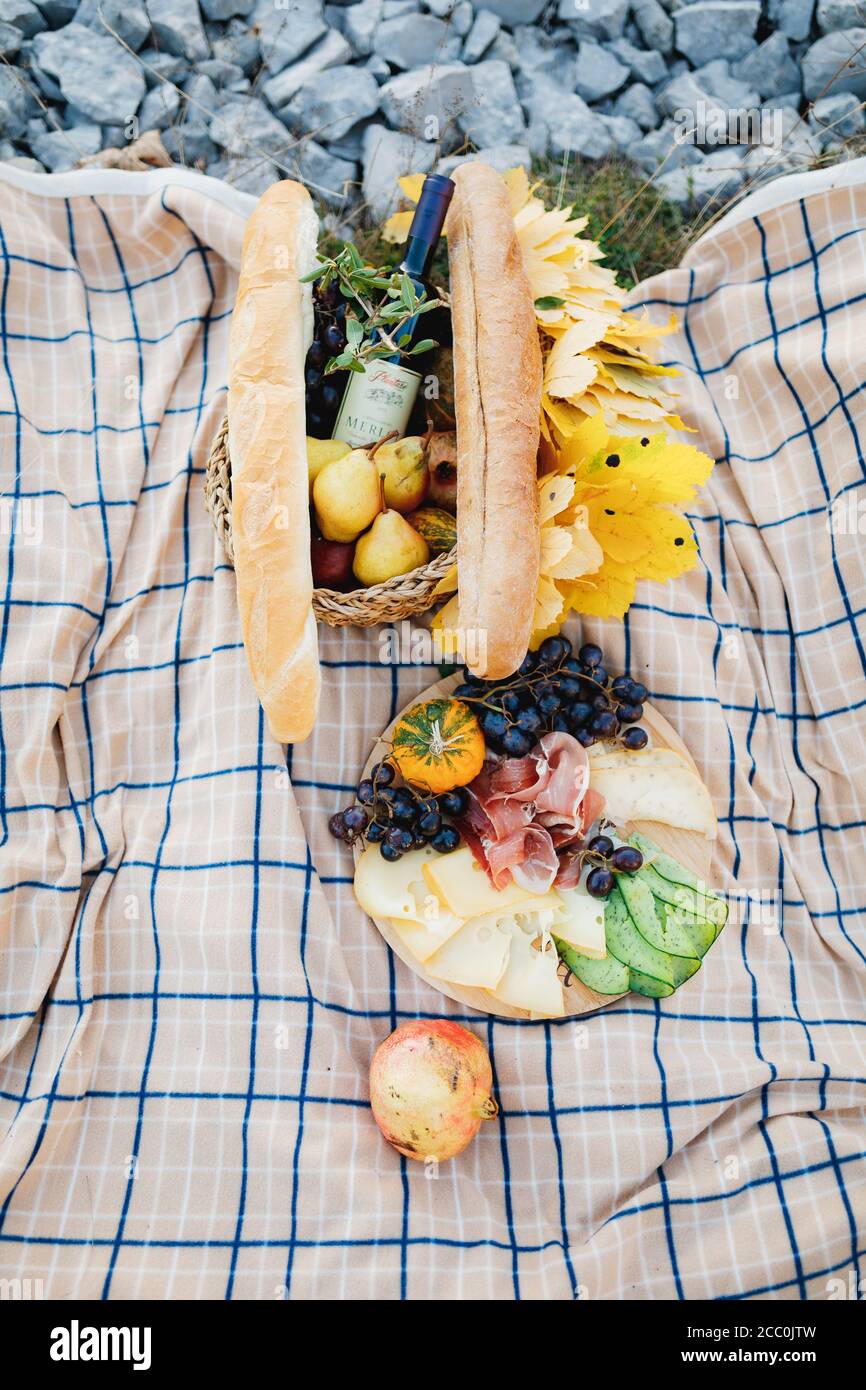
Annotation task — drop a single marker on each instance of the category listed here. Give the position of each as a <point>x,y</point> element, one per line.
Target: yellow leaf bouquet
<point>612,479</point>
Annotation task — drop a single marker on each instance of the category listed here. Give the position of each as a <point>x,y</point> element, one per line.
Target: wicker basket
<point>380,603</point>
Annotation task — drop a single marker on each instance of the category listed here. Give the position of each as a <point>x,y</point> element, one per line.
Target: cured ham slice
<point>523,810</point>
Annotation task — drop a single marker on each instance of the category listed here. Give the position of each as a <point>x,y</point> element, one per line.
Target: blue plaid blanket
<point>190,996</point>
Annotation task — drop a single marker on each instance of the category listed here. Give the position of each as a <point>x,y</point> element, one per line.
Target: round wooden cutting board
<point>693,850</point>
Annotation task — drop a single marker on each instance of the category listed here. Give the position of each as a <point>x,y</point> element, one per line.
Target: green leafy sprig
<point>380,301</point>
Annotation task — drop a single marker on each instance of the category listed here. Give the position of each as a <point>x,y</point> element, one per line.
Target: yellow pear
<point>321,452</point>
<point>403,465</point>
<point>347,495</point>
<point>390,547</point>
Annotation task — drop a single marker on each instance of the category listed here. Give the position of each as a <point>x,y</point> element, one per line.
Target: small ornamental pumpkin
<point>438,745</point>
<point>438,527</point>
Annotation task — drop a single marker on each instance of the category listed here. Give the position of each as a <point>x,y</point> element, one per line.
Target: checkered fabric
<point>190,996</point>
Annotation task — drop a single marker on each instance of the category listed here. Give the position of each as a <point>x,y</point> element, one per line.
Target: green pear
<point>390,547</point>
<point>403,465</point>
<point>347,494</point>
<point>321,452</point>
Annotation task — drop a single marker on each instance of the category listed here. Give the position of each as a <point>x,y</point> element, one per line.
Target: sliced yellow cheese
<point>671,795</point>
<point>642,757</point>
<point>476,956</point>
<point>464,887</point>
<point>424,938</point>
<point>581,923</point>
<point>397,890</point>
<point>530,979</point>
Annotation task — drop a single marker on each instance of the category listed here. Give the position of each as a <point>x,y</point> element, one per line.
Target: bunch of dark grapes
<point>324,393</point>
<point>398,819</point>
<point>605,860</point>
<point>555,690</point>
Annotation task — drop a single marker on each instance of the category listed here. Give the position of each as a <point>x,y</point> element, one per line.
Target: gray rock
<point>538,56</point>
<point>685,93</point>
<point>360,25</point>
<point>58,12</point>
<point>839,14</point>
<point>398,9</point>
<point>92,71</point>
<point>243,50</point>
<point>333,51</point>
<point>462,18</point>
<point>637,103</point>
<point>23,16</point>
<point>177,28</point>
<point>600,19</point>
<point>285,35</point>
<point>485,29</point>
<point>598,72</point>
<point>411,40</point>
<point>61,149</point>
<point>515,11</point>
<point>188,142</point>
<point>716,79</point>
<point>441,8</point>
<point>378,67</point>
<point>493,116</point>
<point>770,69</point>
<point>831,64</point>
<point>161,65</point>
<point>717,178</point>
<point>202,94</point>
<point>328,110</point>
<point>426,102</point>
<point>716,29</point>
<point>245,126</point>
<point>793,17</point>
<point>499,157</point>
<point>665,148</point>
<point>386,156</point>
<point>504,48</point>
<point>326,175</point>
<point>647,65</point>
<point>623,131</point>
<point>566,123</point>
<point>11,39</point>
<point>159,108</point>
<point>224,9</point>
<point>839,114</point>
<point>249,174</point>
<point>655,25</point>
<point>126,17</point>
<point>222,74</point>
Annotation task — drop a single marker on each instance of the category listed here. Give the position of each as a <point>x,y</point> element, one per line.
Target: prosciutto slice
<point>523,810</point>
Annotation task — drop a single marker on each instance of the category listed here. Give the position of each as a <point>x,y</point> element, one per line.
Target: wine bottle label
<point>377,401</point>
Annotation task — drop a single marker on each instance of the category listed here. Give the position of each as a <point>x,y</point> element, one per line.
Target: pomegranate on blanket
<point>430,1088</point>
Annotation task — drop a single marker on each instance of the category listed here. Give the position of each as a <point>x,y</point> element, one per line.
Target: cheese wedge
<point>463,886</point>
<point>397,890</point>
<point>530,979</point>
<point>581,924</point>
<point>641,757</point>
<point>671,795</point>
<point>476,956</point>
<point>424,939</point>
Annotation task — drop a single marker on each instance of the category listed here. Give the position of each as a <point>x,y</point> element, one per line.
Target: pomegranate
<point>430,1088</point>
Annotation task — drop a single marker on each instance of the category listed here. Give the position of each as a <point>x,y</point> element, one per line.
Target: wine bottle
<point>380,399</point>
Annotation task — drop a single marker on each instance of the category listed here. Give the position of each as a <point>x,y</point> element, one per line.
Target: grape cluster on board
<point>400,818</point>
<point>555,690</point>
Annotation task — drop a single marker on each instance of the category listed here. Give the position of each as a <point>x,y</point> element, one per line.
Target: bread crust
<point>271,330</point>
<point>497,386</point>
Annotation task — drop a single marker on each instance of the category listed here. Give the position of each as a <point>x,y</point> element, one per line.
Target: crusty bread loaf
<point>272,327</point>
<point>497,387</point>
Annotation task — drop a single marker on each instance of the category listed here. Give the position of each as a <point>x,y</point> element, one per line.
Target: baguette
<point>271,330</point>
<point>497,391</point>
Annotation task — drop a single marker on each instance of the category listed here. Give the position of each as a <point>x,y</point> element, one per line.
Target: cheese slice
<point>424,938</point>
<point>398,889</point>
<point>581,923</point>
<point>530,979</point>
<point>465,889</point>
<point>476,956</point>
<point>642,757</point>
<point>671,795</point>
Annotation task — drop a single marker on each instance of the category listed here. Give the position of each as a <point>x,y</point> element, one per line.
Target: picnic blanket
<point>190,996</point>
